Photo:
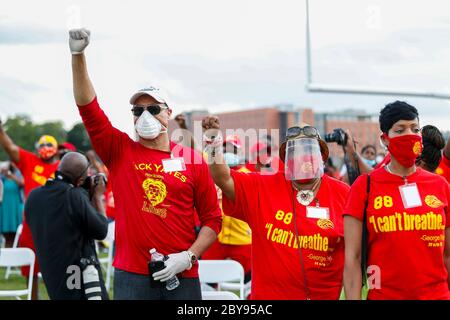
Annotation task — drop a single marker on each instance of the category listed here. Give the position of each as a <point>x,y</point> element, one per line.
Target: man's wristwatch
<point>192,258</point>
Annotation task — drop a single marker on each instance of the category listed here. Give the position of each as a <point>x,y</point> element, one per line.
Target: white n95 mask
<point>148,127</point>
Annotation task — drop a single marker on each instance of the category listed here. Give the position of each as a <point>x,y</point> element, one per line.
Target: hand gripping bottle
<point>156,264</point>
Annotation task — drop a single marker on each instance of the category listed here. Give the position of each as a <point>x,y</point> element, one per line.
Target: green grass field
<point>17,282</point>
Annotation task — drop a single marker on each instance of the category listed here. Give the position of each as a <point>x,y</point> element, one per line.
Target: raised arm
<point>220,172</point>
<point>353,155</point>
<point>92,157</point>
<point>107,141</point>
<point>83,89</point>
<point>8,145</point>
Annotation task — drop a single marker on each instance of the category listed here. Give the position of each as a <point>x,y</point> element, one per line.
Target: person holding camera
<point>295,216</point>
<point>65,219</point>
<point>397,220</point>
<point>158,186</point>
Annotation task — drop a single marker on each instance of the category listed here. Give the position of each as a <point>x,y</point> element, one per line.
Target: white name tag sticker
<point>174,164</point>
<point>317,213</point>
<point>410,196</point>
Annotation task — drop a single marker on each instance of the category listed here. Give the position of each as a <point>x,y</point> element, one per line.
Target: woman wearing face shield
<point>297,231</point>
<point>404,211</point>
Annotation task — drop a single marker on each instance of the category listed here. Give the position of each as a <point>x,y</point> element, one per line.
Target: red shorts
<point>240,253</point>
<point>26,241</point>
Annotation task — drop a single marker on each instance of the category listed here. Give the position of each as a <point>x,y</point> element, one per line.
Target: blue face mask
<point>370,163</point>
<point>231,159</point>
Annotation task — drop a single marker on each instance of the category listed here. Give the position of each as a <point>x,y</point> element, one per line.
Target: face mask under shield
<point>303,159</point>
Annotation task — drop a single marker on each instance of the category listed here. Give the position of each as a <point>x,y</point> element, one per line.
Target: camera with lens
<point>87,184</point>
<point>338,135</point>
<point>91,278</point>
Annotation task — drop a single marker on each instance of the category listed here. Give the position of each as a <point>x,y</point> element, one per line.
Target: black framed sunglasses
<point>154,109</point>
<point>308,131</point>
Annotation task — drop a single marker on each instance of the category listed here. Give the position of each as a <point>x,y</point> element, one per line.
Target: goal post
<point>311,86</point>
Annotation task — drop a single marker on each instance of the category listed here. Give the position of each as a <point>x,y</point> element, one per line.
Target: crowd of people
<point>300,227</point>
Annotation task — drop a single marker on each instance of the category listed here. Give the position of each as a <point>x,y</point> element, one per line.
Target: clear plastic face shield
<point>303,159</point>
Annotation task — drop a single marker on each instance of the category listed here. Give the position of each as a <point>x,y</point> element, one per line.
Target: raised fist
<point>78,40</point>
<point>211,126</point>
<point>210,122</point>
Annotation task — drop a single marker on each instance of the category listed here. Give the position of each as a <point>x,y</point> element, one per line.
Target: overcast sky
<point>224,55</point>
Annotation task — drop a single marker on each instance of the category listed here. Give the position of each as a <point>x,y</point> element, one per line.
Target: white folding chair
<point>219,295</point>
<point>9,270</point>
<point>18,257</point>
<point>232,286</point>
<point>219,271</point>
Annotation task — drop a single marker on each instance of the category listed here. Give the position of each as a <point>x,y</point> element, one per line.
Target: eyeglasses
<point>154,109</point>
<point>308,131</point>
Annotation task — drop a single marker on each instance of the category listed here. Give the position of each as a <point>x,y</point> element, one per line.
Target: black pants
<point>132,286</point>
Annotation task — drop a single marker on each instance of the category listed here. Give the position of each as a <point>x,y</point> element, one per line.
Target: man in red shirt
<point>297,231</point>
<point>157,185</point>
<point>407,217</point>
<point>35,170</point>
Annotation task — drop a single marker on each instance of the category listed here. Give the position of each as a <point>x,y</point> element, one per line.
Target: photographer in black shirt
<point>64,219</point>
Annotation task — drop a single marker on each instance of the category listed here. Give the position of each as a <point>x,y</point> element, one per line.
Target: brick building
<point>364,128</point>
<point>276,119</point>
<point>273,121</point>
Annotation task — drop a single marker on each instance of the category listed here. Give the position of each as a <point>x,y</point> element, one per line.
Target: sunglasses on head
<point>307,131</point>
<point>153,109</point>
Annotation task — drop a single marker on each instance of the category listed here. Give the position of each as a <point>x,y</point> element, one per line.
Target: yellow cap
<point>45,139</point>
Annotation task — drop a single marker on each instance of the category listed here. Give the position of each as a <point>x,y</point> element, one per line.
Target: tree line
<point>25,133</point>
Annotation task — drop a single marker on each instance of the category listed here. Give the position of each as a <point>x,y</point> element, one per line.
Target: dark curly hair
<point>433,143</point>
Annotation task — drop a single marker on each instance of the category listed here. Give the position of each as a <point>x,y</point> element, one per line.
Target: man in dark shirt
<point>64,222</point>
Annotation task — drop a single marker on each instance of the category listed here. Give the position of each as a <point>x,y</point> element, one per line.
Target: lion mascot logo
<point>155,190</point>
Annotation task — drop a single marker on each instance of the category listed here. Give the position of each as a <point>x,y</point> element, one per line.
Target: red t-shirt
<point>34,170</point>
<point>153,208</point>
<point>406,244</point>
<point>266,202</point>
<point>35,174</point>
<point>444,168</point>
